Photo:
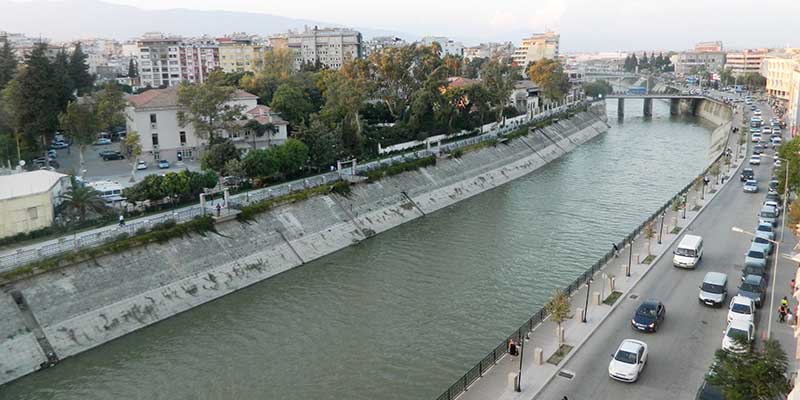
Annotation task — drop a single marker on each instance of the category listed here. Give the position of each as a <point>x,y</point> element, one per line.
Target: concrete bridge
<point>674,101</point>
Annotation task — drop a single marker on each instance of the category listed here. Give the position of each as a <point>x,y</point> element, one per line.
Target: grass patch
<point>473,147</point>
<point>676,230</point>
<point>249,212</point>
<point>394,169</point>
<point>648,259</point>
<point>559,355</point>
<point>612,298</point>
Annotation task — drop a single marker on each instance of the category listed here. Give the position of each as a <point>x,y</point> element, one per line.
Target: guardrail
<point>108,233</point>
<point>463,383</point>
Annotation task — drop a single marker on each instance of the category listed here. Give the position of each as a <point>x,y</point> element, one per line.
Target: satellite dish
<point>21,163</point>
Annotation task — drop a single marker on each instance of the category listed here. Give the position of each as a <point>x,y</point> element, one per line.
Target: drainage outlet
<point>566,374</point>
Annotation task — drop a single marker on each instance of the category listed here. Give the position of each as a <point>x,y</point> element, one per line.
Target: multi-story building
<point>537,47</point>
<point>166,61</point>
<point>449,46</point>
<point>278,41</point>
<point>154,115</point>
<point>489,50</point>
<point>777,68</point>
<point>714,47</point>
<point>740,62</point>
<point>331,47</point>
<point>240,54</point>
<point>378,43</point>
<point>688,62</point>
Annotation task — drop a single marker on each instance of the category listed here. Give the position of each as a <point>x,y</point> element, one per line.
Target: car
<point>742,307</point>
<point>776,197</point>
<point>747,174</point>
<point>773,186</point>
<point>102,141</point>
<point>776,142</point>
<point>756,138</point>
<point>708,391</point>
<point>766,230</point>
<point>649,315</point>
<point>775,205</point>
<point>757,113</point>
<point>776,164</point>
<point>769,215</point>
<point>141,165</point>
<point>628,361</point>
<point>751,186</point>
<point>111,155</point>
<point>52,154</point>
<point>758,148</point>
<point>163,164</point>
<point>766,130</point>
<point>756,270</point>
<point>755,159</point>
<point>754,287</point>
<point>58,145</point>
<point>763,243</point>
<point>738,328</point>
<point>755,256</point>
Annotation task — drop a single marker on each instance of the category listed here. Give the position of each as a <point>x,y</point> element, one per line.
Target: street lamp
<point>630,257</point>
<point>586,306</point>
<point>774,270</point>
<point>661,229</point>
<point>518,387</point>
<point>685,198</point>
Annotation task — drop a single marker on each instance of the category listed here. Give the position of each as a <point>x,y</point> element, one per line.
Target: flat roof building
<point>28,200</point>
<point>537,47</point>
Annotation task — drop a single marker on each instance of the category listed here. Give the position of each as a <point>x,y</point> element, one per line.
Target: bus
<point>637,90</point>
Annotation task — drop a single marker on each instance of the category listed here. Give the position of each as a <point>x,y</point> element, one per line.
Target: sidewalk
<point>498,381</point>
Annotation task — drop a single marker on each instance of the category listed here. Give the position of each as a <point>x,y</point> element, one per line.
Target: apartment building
<point>688,62</point>
<point>378,43</point>
<point>449,46</point>
<point>166,61</point>
<point>714,47</point>
<point>537,47</point>
<point>777,68</point>
<point>489,50</point>
<point>240,54</point>
<point>741,62</point>
<point>332,47</point>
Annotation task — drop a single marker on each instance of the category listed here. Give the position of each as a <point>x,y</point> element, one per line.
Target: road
<point>683,348</point>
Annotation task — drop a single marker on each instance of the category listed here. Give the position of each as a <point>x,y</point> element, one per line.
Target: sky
<point>585,25</point>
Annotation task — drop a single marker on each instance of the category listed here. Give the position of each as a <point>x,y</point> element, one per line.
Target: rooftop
<point>27,183</point>
<point>161,98</point>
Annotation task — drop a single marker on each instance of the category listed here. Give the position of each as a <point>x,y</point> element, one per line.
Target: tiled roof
<point>160,98</point>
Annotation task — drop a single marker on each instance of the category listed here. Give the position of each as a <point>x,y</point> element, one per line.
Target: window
<point>153,118</point>
<point>33,213</point>
<point>155,139</point>
<point>183,138</point>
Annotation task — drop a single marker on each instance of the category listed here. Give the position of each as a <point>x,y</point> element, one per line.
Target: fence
<point>463,383</point>
<point>102,235</point>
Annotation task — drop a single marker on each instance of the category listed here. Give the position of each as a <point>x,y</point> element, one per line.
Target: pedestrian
<point>219,210</point>
<point>792,285</point>
<point>121,220</point>
<point>512,348</point>
<point>616,249</point>
<point>782,313</point>
<point>785,302</point>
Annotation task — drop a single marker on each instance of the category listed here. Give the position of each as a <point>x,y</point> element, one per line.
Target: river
<point>406,313</point>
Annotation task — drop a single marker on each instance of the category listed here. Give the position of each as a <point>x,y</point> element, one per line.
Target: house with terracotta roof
<point>154,115</point>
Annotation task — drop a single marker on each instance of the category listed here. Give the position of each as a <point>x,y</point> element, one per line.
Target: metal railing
<point>462,384</point>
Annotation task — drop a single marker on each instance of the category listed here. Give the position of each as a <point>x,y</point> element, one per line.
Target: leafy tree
<point>550,77</point>
<point>109,104</point>
<point>324,143</point>
<point>291,103</point>
<point>62,80</point>
<point>218,153</point>
<point>8,64</point>
<point>132,147</point>
<point>596,88</point>
<point>649,234</point>
<point>499,84</point>
<point>472,70</point>
<point>277,67</point>
<point>291,156</point>
<point>80,124</point>
<point>79,199</point>
<point>558,307</point>
<point>345,94</point>
<point>753,80</point>
<point>790,153</point>
<point>82,80</point>
<point>644,62</point>
<point>9,100</point>
<point>259,164</point>
<point>396,83</point>
<point>758,375</point>
<point>235,168</point>
<point>183,186</point>
<point>207,107</point>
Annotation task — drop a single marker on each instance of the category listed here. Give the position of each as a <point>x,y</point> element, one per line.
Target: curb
<point>636,282</point>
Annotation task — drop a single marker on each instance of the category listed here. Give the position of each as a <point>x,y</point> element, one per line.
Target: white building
<point>28,200</point>
<point>332,47</point>
<point>378,43</point>
<point>154,115</point>
<point>537,47</point>
<point>449,46</point>
<point>166,61</point>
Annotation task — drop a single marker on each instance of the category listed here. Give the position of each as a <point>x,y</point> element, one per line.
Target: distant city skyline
<point>584,25</point>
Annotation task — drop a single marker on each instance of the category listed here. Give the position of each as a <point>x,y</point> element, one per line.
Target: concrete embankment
<point>87,304</point>
<point>719,114</point>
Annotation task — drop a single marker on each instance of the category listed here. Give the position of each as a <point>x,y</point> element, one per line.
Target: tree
<point>558,308</point>
<point>217,154</point>
<point>596,88</point>
<point>8,64</point>
<point>345,93</point>
<point>291,103</point>
<point>80,200</point>
<point>9,99</point>
<point>35,101</point>
<point>499,83</point>
<point>207,107</point>
<point>649,234</point>
<point>109,104</point>
<point>133,72</point>
<point>757,375</point>
<point>753,80</point>
<point>790,153</point>
<point>291,157</point>
<point>644,62</point>
<point>79,71</point>
<point>259,164</point>
<point>81,125</point>
<point>132,147</point>
<point>62,80</point>
<point>324,143</point>
<point>276,67</point>
<point>550,77</point>
<point>235,168</point>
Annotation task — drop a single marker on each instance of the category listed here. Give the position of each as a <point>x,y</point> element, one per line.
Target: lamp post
<point>685,199</point>
<point>661,229</point>
<point>586,306</point>
<point>630,257</point>
<point>518,387</point>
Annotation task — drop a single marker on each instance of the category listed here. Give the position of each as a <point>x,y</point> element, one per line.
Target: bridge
<point>674,100</point>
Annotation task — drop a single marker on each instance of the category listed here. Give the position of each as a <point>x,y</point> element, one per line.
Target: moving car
<point>765,230</point>
<point>59,145</point>
<point>766,130</point>
<point>755,159</point>
<point>750,186</point>
<point>776,142</point>
<point>742,307</point>
<point>163,164</point>
<point>738,328</point>
<point>754,287</point>
<point>103,141</point>
<point>714,289</point>
<point>688,252</point>
<point>111,155</point>
<point>141,165</point>
<point>756,138</point>
<point>758,149</point>
<point>649,315</point>
<point>628,361</point>
<point>747,174</point>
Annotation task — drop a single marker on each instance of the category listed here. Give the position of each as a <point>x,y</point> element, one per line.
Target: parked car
<point>628,361</point>
<point>747,174</point>
<point>141,165</point>
<point>775,205</point>
<point>738,328</point>
<point>765,230</point>
<point>774,197</point>
<point>742,307</point>
<point>750,186</point>
<point>755,256</point>
<point>754,287</point>
<point>52,154</point>
<point>649,315</point>
<point>102,141</point>
<point>755,270</point>
<point>111,155</point>
<point>56,145</point>
<point>163,164</point>
<point>763,243</point>
<point>46,162</point>
<point>755,159</point>
<point>776,141</point>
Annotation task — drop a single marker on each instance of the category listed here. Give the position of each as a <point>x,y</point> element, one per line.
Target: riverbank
<point>91,303</point>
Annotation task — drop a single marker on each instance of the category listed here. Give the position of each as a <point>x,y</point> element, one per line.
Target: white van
<point>688,252</point>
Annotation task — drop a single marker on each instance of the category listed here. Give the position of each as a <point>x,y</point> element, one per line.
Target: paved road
<point>682,350</point>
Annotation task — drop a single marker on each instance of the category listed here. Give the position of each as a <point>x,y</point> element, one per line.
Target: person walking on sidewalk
<point>512,348</point>
<point>785,302</point>
<point>121,220</point>
<point>792,285</point>
<point>616,249</point>
<point>782,313</point>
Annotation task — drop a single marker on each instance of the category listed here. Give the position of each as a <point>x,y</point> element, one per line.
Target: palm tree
<point>81,199</point>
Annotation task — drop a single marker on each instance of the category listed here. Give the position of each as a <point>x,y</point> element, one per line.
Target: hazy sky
<point>583,24</point>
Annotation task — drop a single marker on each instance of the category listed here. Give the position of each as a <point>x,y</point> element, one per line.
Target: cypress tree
<point>132,71</point>
<point>79,71</point>
<point>8,65</point>
<point>62,80</point>
<point>37,101</point>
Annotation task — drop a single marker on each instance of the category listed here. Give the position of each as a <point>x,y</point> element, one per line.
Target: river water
<point>404,314</point>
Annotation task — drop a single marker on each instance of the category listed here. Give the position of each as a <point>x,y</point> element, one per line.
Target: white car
<point>141,165</point>
<point>755,159</point>
<point>628,362</point>
<point>738,327</point>
<point>776,141</point>
<point>756,138</point>
<point>742,307</point>
<point>102,141</point>
<point>773,204</point>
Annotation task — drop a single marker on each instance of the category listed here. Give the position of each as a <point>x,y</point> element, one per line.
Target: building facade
<point>688,62</point>
<point>28,200</point>
<point>378,43</point>
<point>166,61</point>
<point>154,115</point>
<point>778,69</point>
<point>449,46</point>
<point>741,62</point>
<point>332,47</point>
<point>537,47</point>
<point>238,54</point>
<point>714,47</point>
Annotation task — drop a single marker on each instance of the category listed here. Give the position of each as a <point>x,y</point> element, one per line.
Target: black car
<point>709,392</point>
<point>111,155</point>
<point>773,197</point>
<point>649,316</point>
<point>747,174</point>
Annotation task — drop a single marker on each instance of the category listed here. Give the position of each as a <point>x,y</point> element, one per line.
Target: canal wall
<point>716,113</point>
<point>90,303</point>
